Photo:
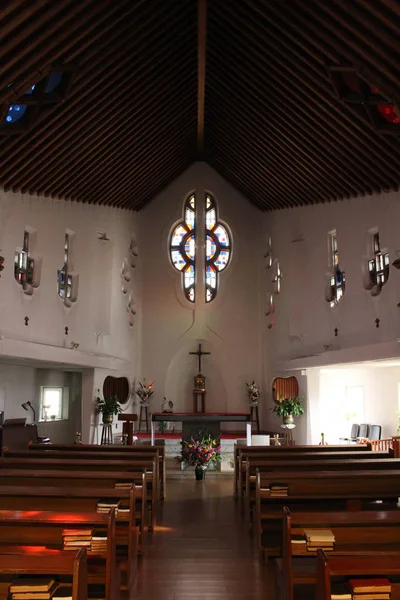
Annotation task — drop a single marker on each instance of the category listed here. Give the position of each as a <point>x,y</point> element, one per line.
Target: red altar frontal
<point>202,419</point>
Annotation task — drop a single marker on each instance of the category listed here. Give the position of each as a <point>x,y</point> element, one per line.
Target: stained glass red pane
<point>388,112</point>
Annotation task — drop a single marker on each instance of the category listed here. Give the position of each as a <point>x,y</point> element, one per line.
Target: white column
<point>248,433</point>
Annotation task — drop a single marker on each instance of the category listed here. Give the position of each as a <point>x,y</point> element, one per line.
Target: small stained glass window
<point>183,248</point>
<point>23,264</point>
<point>336,286</point>
<point>378,266</point>
<point>218,248</point>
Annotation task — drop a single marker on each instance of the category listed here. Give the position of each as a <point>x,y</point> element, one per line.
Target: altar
<point>198,420</point>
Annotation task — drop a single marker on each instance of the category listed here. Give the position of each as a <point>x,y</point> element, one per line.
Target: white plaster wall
<point>327,389</point>
<point>17,385</point>
<point>304,321</point>
<point>231,327</point>
<point>98,321</point>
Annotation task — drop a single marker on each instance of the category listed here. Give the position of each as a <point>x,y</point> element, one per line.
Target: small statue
<point>276,438</point>
<point>323,442</point>
<point>78,438</point>
<point>167,406</point>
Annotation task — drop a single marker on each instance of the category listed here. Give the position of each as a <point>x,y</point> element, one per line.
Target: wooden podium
<point>127,426</point>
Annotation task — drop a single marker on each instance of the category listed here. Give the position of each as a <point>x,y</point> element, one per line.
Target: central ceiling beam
<point>201,73</point>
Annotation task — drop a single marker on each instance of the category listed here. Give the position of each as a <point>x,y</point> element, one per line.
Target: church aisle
<point>201,549</point>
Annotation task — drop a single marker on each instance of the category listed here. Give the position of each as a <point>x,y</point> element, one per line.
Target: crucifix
<point>199,383</point>
<point>200,353</point>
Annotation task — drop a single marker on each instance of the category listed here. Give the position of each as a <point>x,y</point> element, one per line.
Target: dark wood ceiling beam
<point>104,88</point>
<point>254,147</point>
<point>127,152</point>
<point>99,141</point>
<point>379,12</point>
<point>201,72</point>
<point>289,145</point>
<point>357,131</point>
<point>392,5</point>
<point>281,96</point>
<point>346,117</point>
<point>14,15</point>
<point>158,150</point>
<point>356,17</point>
<point>37,55</point>
<point>266,197</point>
<point>159,168</point>
<point>378,72</point>
<point>164,181</point>
<point>92,136</point>
<point>264,173</point>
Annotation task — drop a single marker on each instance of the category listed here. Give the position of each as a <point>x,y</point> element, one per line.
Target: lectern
<point>127,426</point>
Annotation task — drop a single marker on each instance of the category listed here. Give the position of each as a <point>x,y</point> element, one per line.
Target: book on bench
<point>381,585</point>
<point>340,591</point>
<point>32,584</point>
<point>33,593</point>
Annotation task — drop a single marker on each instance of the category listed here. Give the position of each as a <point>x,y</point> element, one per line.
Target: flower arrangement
<point>145,391</point>
<point>201,452</point>
<point>284,407</point>
<point>108,406</point>
<point>253,393</point>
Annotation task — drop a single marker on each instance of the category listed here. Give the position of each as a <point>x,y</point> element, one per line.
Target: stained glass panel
<point>15,112</point>
<point>209,295</point>
<point>191,295</point>
<point>190,248</point>
<point>222,260</point>
<point>189,276</point>
<point>211,218</point>
<point>209,202</point>
<point>189,218</point>
<point>192,201</point>
<point>178,234</point>
<point>222,235</point>
<point>178,261</point>
<point>211,247</point>
<point>211,276</point>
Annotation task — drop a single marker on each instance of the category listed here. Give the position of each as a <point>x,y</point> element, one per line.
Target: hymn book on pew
<point>319,538</point>
<point>340,591</point>
<point>31,589</point>
<point>370,589</point>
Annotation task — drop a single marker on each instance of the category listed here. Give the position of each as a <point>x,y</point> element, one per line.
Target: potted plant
<point>200,452</point>
<point>109,407</point>
<point>287,408</point>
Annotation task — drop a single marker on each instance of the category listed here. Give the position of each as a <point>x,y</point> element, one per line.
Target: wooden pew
<point>68,480</point>
<point>134,468</point>
<point>313,491</point>
<point>57,564</point>
<point>371,462</point>
<point>376,531</point>
<point>45,527</point>
<point>352,566</point>
<point>246,453</point>
<point>112,449</point>
<point>82,500</point>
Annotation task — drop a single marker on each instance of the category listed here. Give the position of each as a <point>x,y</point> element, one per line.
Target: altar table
<point>202,418</point>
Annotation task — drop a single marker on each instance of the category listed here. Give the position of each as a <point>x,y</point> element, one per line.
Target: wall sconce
<point>27,406</point>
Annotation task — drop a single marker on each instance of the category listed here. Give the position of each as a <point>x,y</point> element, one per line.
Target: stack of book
<point>123,512</point>
<point>104,505</point>
<point>33,588</point>
<point>123,485</point>
<point>378,588</point>
<point>279,490</point>
<point>99,542</point>
<point>77,538</point>
<point>319,538</point>
<point>340,591</point>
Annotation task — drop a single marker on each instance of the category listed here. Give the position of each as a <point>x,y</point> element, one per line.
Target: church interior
<point>199,326</point>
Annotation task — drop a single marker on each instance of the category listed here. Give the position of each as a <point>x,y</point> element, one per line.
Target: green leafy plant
<point>288,406</point>
<point>162,426</point>
<point>108,406</point>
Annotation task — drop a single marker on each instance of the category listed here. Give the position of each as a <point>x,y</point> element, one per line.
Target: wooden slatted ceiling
<point>273,126</point>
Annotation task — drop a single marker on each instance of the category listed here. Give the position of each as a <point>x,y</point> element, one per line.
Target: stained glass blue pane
<point>222,259</point>
<point>177,236</point>
<point>15,112</point>
<point>53,81</point>
<point>190,248</point>
<point>189,218</point>
<point>222,235</point>
<point>211,247</point>
<point>211,218</point>
<point>189,276</point>
<point>177,260</point>
<point>211,277</point>
<point>191,295</point>
<point>192,202</point>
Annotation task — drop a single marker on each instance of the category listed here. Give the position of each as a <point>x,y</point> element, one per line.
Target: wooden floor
<point>201,548</point>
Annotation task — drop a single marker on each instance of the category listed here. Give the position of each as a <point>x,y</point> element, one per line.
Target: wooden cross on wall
<point>199,353</point>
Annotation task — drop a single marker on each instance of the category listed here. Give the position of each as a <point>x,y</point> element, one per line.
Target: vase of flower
<point>200,452</point>
<point>200,473</point>
<point>288,420</point>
